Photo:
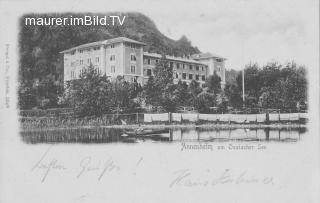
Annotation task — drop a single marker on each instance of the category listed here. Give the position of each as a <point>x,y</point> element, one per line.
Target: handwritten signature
<point>185,178</point>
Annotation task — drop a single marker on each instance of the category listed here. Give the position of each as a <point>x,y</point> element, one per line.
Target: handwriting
<point>47,165</point>
<point>108,166</point>
<point>186,178</point>
<point>86,167</point>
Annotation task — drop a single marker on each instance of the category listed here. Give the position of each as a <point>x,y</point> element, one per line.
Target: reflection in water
<point>112,135</point>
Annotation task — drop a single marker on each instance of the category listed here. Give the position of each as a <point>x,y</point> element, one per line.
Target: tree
<point>91,94</point>
<point>163,74</point>
<point>195,90</point>
<point>151,92</point>
<point>181,94</point>
<point>233,93</point>
<point>204,101</point>
<point>163,79</point>
<point>213,82</point>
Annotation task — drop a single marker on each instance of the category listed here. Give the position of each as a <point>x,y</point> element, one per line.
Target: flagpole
<point>243,97</point>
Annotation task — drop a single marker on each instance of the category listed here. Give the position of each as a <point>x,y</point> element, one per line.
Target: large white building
<point>125,57</point>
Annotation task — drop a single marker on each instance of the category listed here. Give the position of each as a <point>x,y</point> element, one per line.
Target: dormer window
<point>112,58</point>
<point>112,46</point>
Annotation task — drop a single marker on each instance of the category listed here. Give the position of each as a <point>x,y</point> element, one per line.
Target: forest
<point>273,85</point>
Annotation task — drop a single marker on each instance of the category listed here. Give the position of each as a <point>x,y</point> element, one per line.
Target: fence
<point>67,116</point>
<point>234,118</point>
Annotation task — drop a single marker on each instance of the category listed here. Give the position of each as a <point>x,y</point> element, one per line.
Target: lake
<point>196,134</point>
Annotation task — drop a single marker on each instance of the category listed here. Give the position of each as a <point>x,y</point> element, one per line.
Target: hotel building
<point>125,57</point>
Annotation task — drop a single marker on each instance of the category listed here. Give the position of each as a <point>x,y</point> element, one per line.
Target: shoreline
<point>173,126</point>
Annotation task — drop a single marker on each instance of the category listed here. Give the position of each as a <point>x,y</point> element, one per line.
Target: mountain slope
<point>41,65</point>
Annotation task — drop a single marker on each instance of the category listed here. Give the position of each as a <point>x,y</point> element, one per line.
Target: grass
<point>38,123</point>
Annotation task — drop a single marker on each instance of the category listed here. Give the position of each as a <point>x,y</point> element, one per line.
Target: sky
<point>244,31</point>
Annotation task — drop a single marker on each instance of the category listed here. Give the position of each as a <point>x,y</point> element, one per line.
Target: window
<point>112,46</point>
<point>81,51</point>
<point>157,61</point>
<point>184,76</point>
<point>203,78</point>
<point>97,59</point>
<point>197,77</point>
<point>190,67</point>
<point>133,68</point>
<point>149,73</point>
<point>112,58</point>
<point>96,48</point>
<point>132,46</point>
<point>81,62</point>
<point>89,61</point>
<point>197,67</point>
<point>219,60</point>
<point>113,69</point>
<point>133,57</point>
<point>177,75</point>
<point>149,61</point>
<point>190,76</point>
<point>183,66</point>
<point>202,68</point>
<point>171,64</point>
<point>178,65</point>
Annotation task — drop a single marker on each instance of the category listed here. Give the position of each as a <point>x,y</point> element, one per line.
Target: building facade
<point>125,57</point>
<point>215,63</point>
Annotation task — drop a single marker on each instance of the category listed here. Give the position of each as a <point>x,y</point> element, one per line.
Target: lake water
<point>197,134</point>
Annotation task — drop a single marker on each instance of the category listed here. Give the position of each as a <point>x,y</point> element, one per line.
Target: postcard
<point>159,101</point>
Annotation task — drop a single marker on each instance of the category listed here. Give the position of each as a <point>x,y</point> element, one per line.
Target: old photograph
<point>128,82</point>
<point>115,101</point>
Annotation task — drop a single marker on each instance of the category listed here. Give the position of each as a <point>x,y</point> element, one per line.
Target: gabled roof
<point>206,55</point>
<point>103,42</point>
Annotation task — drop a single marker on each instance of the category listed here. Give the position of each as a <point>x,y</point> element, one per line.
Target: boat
<point>145,132</point>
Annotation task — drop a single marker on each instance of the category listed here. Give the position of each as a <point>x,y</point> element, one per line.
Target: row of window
<point>191,77</point>
<point>81,61</point>
<point>73,73</point>
<point>132,69</point>
<point>132,57</point>
<point>191,67</point>
<point>97,59</point>
<point>178,65</point>
<point>184,75</point>
<point>94,48</point>
<point>132,46</point>
<point>149,61</point>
